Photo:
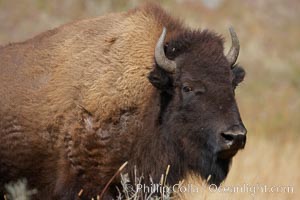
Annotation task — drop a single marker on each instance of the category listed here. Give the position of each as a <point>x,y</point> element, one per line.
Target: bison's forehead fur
<point>200,56</point>
<point>199,51</point>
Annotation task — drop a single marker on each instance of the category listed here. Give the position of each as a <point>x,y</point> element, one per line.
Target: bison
<point>139,86</point>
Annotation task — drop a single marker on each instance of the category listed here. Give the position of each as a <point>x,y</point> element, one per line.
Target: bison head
<point>199,113</point>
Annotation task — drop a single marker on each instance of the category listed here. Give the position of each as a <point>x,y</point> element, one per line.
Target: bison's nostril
<point>227,137</point>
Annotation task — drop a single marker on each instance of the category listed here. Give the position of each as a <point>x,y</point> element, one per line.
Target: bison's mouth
<point>228,153</point>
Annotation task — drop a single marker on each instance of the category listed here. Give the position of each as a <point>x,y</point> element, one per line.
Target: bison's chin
<point>219,170</point>
<point>214,170</point>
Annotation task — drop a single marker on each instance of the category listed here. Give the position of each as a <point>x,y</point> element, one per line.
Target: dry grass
<point>18,191</point>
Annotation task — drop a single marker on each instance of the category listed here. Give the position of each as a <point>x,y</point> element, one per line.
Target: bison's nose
<point>235,138</point>
<point>232,140</point>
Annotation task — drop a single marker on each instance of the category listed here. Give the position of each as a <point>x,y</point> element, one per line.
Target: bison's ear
<point>160,79</point>
<point>238,75</point>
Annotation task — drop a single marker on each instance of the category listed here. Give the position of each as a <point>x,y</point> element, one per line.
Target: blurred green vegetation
<point>269,31</point>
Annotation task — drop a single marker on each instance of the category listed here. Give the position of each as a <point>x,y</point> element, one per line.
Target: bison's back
<point>97,63</point>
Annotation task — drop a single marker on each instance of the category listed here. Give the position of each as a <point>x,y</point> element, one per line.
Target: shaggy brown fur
<point>98,64</point>
<point>75,100</point>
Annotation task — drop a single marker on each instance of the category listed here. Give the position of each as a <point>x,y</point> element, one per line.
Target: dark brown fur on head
<point>190,120</point>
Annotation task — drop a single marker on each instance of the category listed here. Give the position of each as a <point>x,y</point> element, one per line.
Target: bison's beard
<point>212,168</point>
<point>219,170</point>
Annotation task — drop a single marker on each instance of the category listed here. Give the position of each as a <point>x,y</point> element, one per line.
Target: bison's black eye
<point>187,89</point>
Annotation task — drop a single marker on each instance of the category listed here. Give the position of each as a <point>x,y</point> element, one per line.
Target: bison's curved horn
<point>160,57</point>
<point>233,53</point>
